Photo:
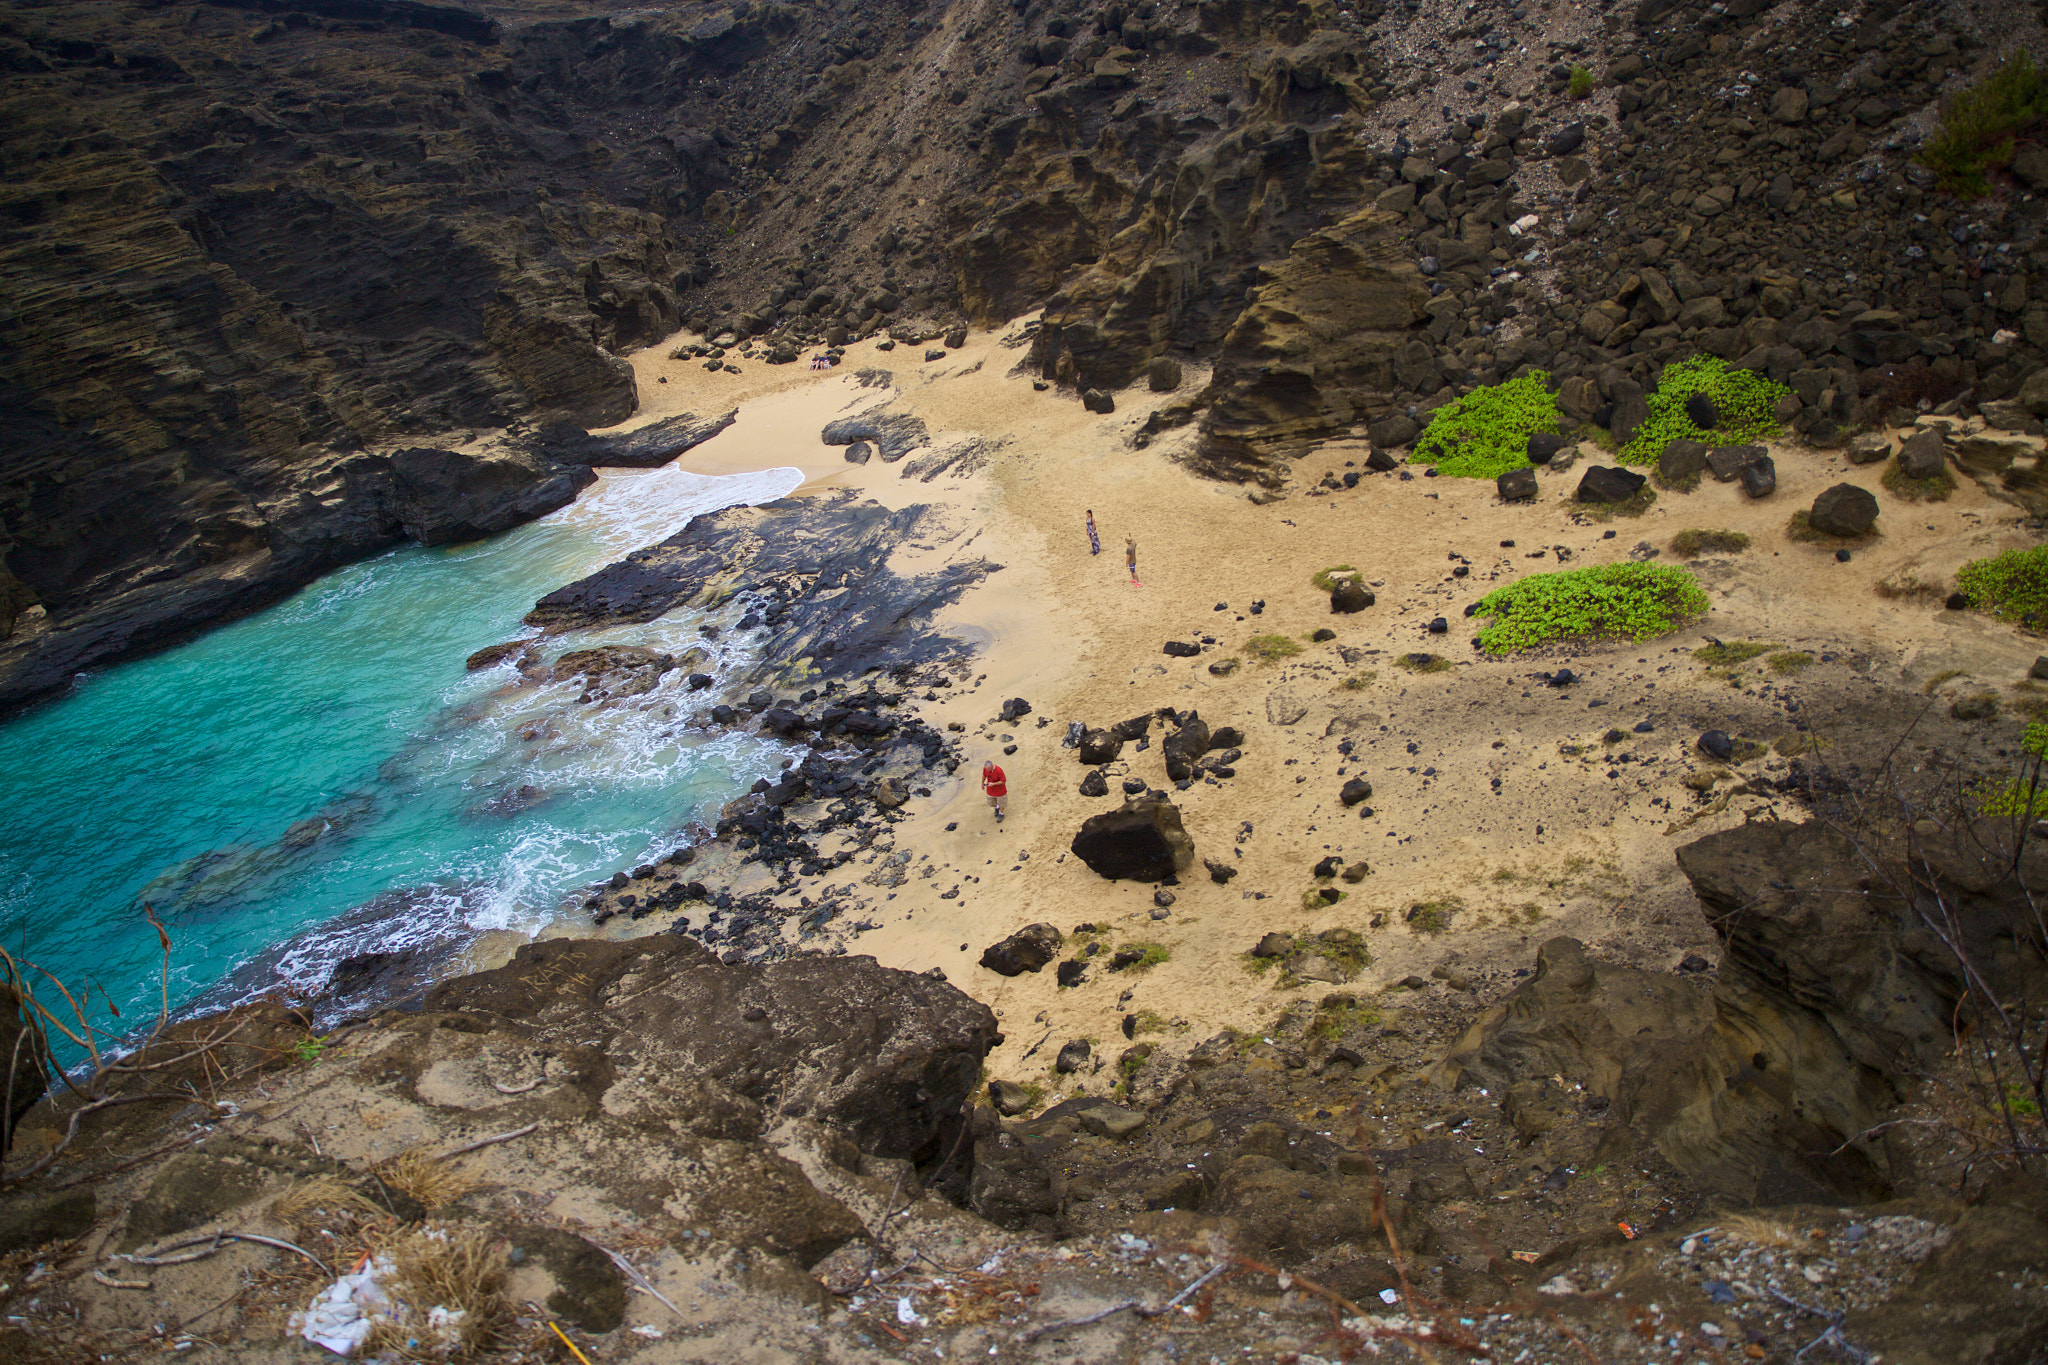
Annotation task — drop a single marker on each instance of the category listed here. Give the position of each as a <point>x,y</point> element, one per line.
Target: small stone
<point>1517,485</point>
<point>1716,744</point>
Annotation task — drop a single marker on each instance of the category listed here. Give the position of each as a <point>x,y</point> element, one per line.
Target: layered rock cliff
<point>247,243</point>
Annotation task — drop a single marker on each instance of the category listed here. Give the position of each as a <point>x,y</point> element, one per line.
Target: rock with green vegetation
<point>1977,128</point>
<point>1486,433</point>
<point>1627,601</point>
<point>2012,586</point>
<point>1743,403</point>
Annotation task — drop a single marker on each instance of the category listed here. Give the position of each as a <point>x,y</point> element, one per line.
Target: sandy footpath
<point>1504,801</point>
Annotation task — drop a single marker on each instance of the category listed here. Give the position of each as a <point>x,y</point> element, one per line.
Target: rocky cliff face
<point>246,243</point>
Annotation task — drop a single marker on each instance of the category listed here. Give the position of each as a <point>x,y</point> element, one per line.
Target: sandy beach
<point>1520,809</point>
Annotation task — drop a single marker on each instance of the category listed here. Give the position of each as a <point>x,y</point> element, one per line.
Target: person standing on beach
<point>1094,540</point>
<point>995,784</point>
<point>1131,556</point>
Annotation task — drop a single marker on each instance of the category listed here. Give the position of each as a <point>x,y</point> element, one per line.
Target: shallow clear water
<point>270,775</point>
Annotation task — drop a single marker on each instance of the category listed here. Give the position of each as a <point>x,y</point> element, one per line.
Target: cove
<point>323,778</point>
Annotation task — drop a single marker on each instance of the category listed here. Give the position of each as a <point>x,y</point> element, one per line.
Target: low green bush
<point>2012,586</point>
<point>1977,128</point>
<point>1627,601</point>
<point>1486,433</point>
<point>2026,794</point>
<point>1581,83</point>
<point>1743,400</point>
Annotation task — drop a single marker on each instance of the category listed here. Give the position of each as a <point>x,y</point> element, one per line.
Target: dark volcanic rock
<point>1844,510</point>
<point>1517,485</point>
<point>892,1082</point>
<point>1609,484</point>
<point>1682,460</point>
<point>642,448</point>
<point>1100,746</point>
<point>1923,454</point>
<point>1143,841</point>
<point>836,542</point>
<point>1726,463</point>
<point>893,435</point>
<point>1027,950</point>
<point>1181,748</point>
<point>1760,477</point>
<point>1350,595</point>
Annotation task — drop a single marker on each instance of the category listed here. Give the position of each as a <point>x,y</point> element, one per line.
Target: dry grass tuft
<point>1762,1232</point>
<point>323,1194</point>
<point>458,1270</point>
<point>425,1177</point>
<point>1689,544</point>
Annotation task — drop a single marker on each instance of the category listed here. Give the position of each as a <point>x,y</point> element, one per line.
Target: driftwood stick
<point>1049,1328</point>
<point>485,1142</point>
<point>533,1084</point>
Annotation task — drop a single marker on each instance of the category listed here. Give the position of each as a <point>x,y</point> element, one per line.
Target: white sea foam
<point>631,508</point>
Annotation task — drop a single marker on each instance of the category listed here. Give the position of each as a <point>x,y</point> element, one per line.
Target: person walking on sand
<point>995,784</point>
<point>1094,540</point>
<point>1131,556</point>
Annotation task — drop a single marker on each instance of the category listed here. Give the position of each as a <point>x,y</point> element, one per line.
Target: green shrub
<point>1790,661</point>
<point>1486,433</point>
<point>1328,579</point>
<point>1687,544</point>
<point>2012,586</point>
<point>1581,84</point>
<point>1269,648</point>
<point>1150,955</point>
<point>1744,401</point>
<point>1424,663</point>
<point>1627,601</point>
<point>2025,795</point>
<point>1977,127</point>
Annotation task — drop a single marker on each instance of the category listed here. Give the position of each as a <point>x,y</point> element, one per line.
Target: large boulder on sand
<point>1844,510</point>
<point>1608,483</point>
<point>1024,951</point>
<point>1142,842</point>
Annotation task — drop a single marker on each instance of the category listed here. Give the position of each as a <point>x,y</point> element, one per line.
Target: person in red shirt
<point>995,784</point>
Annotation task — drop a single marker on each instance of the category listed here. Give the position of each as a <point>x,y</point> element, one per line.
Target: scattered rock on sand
<point>1517,485</point>
<point>1073,1057</point>
<point>1027,950</point>
<point>1219,873</point>
<point>1009,1098</point>
<point>1350,595</point>
<point>1760,478</point>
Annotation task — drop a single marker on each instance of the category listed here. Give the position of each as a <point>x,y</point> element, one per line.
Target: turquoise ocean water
<point>330,753</point>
